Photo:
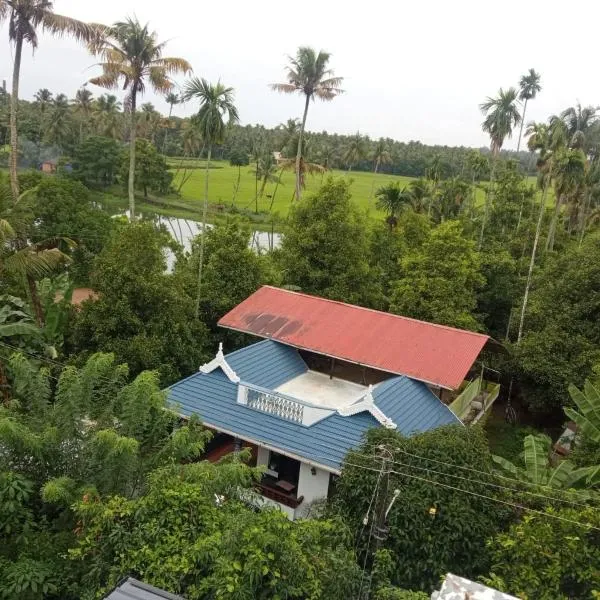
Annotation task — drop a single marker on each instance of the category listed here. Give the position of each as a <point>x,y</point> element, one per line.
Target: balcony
<point>267,488</point>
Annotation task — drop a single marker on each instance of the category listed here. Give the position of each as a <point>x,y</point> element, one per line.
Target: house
<point>132,589</point>
<point>49,166</point>
<point>326,374</point>
<point>459,588</point>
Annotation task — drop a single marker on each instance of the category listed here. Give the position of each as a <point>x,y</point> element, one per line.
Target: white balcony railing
<point>271,402</point>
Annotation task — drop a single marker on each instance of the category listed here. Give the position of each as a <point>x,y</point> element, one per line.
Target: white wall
<point>312,487</point>
<point>262,457</point>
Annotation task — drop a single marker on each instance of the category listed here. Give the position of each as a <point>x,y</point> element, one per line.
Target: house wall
<point>312,487</point>
<point>262,457</point>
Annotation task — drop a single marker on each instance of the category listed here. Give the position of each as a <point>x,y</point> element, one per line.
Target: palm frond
<point>59,25</point>
<point>10,329</point>
<point>35,264</point>
<point>173,65</point>
<point>285,88</point>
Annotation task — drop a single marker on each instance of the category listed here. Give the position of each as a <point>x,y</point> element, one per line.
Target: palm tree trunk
<point>487,204</point>
<point>14,107</point>
<point>299,150</point>
<point>275,190</point>
<point>35,301</point>
<point>373,180</point>
<point>132,138</point>
<point>204,211</point>
<point>237,186</point>
<point>522,123</point>
<point>167,131</point>
<point>583,218</point>
<point>532,262</point>
<point>553,223</point>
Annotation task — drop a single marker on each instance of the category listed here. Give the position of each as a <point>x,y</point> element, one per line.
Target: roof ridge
<point>373,310</point>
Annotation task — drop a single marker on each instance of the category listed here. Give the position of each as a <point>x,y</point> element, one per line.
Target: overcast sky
<point>412,70</point>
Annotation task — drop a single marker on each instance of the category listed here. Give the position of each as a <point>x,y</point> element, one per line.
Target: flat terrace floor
<point>321,390</point>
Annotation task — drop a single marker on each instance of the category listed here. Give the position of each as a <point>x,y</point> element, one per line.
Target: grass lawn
<point>223,178</point>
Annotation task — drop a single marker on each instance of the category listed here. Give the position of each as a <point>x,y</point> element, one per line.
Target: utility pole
<point>381,529</point>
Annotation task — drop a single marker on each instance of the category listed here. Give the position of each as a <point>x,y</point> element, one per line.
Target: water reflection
<point>185,230</point>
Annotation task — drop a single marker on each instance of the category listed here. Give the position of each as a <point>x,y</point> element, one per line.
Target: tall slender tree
<point>43,98</point>
<point>25,18</point>
<point>83,104</point>
<point>356,150</point>
<point>217,111</point>
<point>107,116</point>
<point>539,140</point>
<point>529,87</point>
<point>172,99</point>
<point>309,76</point>
<point>380,156</point>
<point>501,116</point>
<point>131,52</point>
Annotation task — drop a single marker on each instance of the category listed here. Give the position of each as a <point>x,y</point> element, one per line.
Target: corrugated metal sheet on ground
<point>132,589</point>
<point>268,364</point>
<point>424,351</point>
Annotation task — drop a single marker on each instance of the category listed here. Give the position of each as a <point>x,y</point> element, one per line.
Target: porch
<point>287,483</point>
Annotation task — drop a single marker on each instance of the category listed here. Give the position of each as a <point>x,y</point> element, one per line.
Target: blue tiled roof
<point>411,405</point>
<point>268,364</point>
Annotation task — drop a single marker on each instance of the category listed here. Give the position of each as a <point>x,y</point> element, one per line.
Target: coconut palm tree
<point>579,121</point>
<point>171,99</point>
<point>25,18</point>
<point>217,111</point>
<point>27,261</point>
<point>355,151</point>
<point>529,87</point>
<point>289,132</point>
<point>43,98</point>
<point>131,53</point>
<point>107,115</point>
<point>309,76</point>
<point>420,194</point>
<point>265,171</point>
<point>380,156</point>
<point>502,115</point>
<point>392,198</point>
<point>59,124</point>
<point>569,170</point>
<point>83,104</point>
<point>539,140</point>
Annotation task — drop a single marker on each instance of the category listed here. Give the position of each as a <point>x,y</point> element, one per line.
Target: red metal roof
<point>431,353</point>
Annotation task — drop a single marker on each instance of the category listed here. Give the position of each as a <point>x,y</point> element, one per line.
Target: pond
<point>185,230</point>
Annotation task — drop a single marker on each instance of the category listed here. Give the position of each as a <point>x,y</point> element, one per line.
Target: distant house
<point>132,589</point>
<point>328,372</point>
<point>277,156</point>
<point>49,166</point>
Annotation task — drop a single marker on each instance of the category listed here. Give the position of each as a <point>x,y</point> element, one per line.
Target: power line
<point>512,504</point>
<point>494,485</point>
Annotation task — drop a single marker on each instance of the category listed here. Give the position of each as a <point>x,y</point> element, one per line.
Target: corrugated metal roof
<point>425,351</point>
<point>132,589</point>
<point>212,396</point>
<point>459,588</point>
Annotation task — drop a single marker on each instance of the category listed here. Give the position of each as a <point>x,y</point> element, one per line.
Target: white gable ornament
<point>368,403</point>
<point>219,362</point>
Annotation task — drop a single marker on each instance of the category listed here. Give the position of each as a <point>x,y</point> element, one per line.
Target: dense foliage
<point>433,529</point>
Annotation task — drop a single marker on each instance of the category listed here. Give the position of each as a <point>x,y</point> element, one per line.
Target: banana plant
<point>587,417</point>
<point>538,469</point>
